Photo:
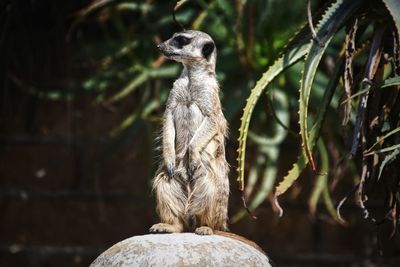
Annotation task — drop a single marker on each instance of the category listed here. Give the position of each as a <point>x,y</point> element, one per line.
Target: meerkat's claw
<point>170,170</point>
<point>204,230</point>
<point>160,228</point>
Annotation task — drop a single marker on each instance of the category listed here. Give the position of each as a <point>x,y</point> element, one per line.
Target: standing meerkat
<point>191,184</point>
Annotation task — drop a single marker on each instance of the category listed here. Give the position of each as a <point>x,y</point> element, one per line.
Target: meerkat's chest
<point>188,103</point>
<point>188,114</point>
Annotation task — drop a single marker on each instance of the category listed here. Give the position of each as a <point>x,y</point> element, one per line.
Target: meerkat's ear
<point>207,49</point>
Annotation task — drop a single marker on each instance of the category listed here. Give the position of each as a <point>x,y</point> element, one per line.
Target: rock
<point>185,249</point>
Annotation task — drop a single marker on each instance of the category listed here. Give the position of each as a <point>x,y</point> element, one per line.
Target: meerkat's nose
<point>161,47</point>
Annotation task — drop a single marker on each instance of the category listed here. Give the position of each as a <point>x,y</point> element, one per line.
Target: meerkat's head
<point>189,47</point>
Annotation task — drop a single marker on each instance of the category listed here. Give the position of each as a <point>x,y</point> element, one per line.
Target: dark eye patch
<point>207,49</point>
<point>180,41</point>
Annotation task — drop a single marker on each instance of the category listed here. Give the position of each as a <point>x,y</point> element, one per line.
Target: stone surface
<point>185,249</point>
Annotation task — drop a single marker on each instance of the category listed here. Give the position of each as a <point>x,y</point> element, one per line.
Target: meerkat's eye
<point>180,41</point>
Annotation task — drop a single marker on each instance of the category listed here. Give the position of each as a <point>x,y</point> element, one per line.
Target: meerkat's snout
<point>162,47</point>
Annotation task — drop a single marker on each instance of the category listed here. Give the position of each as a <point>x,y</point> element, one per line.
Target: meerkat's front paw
<point>165,228</point>
<point>169,163</point>
<point>204,230</point>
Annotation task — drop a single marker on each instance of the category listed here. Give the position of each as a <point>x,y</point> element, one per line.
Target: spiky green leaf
<point>302,161</point>
<point>333,19</point>
<point>286,60</point>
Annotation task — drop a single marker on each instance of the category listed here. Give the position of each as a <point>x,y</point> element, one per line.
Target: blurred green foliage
<point>113,49</point>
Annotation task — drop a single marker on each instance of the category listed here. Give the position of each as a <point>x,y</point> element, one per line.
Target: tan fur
<point>191,184</point>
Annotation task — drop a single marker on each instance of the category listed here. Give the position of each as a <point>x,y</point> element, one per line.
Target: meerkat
<point>191,184</point>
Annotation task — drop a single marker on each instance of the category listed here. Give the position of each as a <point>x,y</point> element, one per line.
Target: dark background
<point>70,188</point>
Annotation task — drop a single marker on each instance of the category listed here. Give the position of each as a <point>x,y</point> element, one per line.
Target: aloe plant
<point>370,96</point>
